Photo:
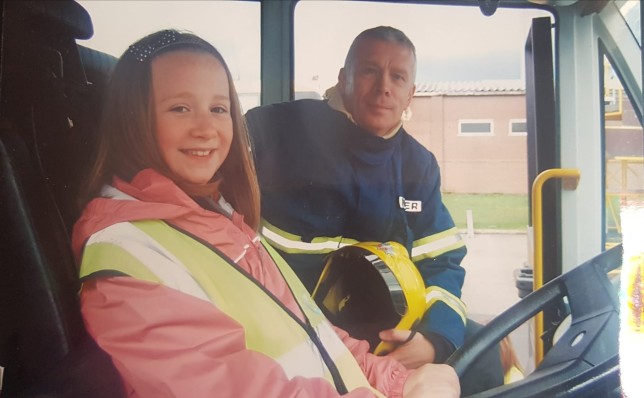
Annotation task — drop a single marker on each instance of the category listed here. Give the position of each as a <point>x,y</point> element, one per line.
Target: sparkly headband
<point>148,47</point>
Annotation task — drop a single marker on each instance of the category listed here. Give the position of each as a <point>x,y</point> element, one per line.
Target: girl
<point>176,285</point>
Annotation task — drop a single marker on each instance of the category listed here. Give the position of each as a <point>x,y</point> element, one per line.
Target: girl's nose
<point>205,125</point>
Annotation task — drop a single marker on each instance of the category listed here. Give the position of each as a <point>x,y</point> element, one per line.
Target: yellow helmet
<point>369,287</point>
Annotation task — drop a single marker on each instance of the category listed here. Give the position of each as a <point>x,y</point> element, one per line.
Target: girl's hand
<point>431,380</point>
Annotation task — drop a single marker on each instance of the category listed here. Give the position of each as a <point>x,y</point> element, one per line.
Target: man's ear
<point>411,94</point>
<point>342,79</point>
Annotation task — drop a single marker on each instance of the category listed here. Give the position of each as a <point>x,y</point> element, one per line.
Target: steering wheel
<point>584,361</point>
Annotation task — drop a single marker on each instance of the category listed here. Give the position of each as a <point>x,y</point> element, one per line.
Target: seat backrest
<point>48,114</point>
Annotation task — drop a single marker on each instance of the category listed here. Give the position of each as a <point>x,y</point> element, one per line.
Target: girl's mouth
<point>197,152</point>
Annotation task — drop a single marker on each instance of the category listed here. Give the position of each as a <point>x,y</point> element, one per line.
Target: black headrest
<point>66,16</point>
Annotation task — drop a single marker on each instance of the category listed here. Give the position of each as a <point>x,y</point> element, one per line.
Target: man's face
<point>379,85</point>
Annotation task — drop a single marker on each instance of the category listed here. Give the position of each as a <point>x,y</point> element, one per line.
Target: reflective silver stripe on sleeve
<point>435,294</point>
<point>437,244</point>
<point>156,258</point>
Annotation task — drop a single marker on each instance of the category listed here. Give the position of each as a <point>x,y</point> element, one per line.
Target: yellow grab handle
<point>570,179</point>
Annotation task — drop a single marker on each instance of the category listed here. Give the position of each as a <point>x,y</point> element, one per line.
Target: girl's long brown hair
<point>128,144</point>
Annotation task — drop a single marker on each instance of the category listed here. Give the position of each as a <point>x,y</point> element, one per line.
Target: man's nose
<point>384,84</point>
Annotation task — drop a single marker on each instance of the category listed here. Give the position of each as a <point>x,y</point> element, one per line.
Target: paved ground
<point>490,263</point>
<point>489,283</point>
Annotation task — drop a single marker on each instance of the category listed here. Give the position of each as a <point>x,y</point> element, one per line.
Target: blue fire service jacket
<point>326,183</point>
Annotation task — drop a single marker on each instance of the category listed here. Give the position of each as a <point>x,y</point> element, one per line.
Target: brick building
<point>477,131</point>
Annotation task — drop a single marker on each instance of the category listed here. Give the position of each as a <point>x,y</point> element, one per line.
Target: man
<point>344,170</point>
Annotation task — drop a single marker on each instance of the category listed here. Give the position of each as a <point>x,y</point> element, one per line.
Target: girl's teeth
<point>198,153</point>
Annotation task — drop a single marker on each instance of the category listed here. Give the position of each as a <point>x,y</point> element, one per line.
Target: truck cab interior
<point>50,94</point>
<point>50,101</point>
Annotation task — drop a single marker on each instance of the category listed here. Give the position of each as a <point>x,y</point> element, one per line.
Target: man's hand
<point>436,381</point>
<point>413,353</point>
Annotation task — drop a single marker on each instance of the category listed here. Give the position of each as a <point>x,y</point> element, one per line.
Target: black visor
<point>358,293</point>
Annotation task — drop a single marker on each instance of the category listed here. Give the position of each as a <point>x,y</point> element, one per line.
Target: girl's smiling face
<point>191,102</point>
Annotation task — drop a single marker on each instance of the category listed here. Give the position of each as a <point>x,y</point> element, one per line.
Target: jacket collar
<point>335,101</point>
<point>149,196</point>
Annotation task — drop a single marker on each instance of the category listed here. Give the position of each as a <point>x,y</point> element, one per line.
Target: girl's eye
<point>179,109</point>
<point>218,109</point>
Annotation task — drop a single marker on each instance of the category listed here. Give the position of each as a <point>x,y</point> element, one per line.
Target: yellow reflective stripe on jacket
<point>353,375</point>
<point>290,243</point>
<point>125,248</point>
<point>233,296</point>
<point>120,260</point>
<point>286,340</point>
<point>437,244</point>
<point>435,294</point>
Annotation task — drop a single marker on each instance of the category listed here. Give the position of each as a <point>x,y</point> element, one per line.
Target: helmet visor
<point>358,293</point>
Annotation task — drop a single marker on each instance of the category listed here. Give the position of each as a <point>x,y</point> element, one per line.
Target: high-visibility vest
<point>154,251</point>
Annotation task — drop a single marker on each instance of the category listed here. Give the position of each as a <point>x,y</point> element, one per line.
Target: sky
<point>452,43</point>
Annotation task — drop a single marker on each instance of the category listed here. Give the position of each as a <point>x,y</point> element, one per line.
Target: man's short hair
<point>382,33</point>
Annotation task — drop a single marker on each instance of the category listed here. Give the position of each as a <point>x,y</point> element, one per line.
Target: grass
<point>489,211</point>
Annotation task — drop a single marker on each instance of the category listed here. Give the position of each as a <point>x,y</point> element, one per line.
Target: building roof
<point>479,87</point>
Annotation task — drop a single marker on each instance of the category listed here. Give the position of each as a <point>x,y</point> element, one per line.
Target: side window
<point>117,24</point>
<point>623,154</point>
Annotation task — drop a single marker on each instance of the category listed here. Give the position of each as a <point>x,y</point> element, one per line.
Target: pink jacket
<point>168,344</point>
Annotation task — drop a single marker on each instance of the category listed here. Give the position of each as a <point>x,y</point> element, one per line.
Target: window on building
<point>475,127</point>
<point>518,127</point>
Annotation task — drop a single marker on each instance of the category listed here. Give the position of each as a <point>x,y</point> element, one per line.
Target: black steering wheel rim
<point>585,358</point>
